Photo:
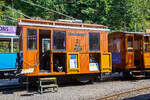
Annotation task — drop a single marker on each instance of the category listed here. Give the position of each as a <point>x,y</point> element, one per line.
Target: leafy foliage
<point>117,14</point>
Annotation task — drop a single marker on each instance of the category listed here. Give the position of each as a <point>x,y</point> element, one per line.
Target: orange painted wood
<point>31,56</point>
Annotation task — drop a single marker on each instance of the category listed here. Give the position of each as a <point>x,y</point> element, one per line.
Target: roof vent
<point>71,21</point>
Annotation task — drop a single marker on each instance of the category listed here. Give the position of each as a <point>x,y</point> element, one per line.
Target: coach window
<point>130,43</point>
<point>31,39</point>
<point>59,40</point>
<point>94,41</point>
<point>147,43</point>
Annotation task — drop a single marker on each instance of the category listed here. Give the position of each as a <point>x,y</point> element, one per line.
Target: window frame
<point>146,44</point>
<point>90,41</point>
<point>130,49</point>
<point>28,38</point>
<point>65,33</point>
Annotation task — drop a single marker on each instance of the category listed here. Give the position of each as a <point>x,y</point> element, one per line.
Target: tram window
<point>147,47</point>
<point>59,40</point>
<point>5,46</point>
<point>137,44</point>
<point>130,44</point>
<point>114,45</point>
<point>45,44</point>
<point>146,39</point>
<point>94,41</point>
<point>31,39</point>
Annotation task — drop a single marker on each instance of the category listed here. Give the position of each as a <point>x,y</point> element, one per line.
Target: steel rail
<point>5,87</point>
<point>123,93</point>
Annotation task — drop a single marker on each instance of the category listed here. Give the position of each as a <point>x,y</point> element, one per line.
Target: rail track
<point>115,96</point>
<point>9,87</point>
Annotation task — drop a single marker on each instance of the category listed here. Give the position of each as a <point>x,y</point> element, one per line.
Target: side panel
<point>147,60</point>
<point>106,62</point>
<point>77,41</point>
<point>116,58</point>
<point>129,60</point>
<point>103,42</point>
<point>84,64</point>
<point>8,61</point>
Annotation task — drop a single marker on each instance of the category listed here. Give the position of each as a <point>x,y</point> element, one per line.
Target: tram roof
<point>134,32</point>
<point>126,32</point>
<point>58,24</point>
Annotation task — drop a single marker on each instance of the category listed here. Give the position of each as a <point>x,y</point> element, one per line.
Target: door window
<point>31,39</point>
<point>45,45</point>
<point>130,43</point>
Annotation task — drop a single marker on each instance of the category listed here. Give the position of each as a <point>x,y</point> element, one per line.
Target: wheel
<point>85,79</point>
<point>127,75</point>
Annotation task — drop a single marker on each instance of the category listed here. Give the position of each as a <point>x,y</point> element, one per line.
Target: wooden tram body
<point>130,52</point>
<point>52,48</point>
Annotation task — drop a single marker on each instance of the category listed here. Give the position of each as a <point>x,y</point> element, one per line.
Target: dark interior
<point>59,62</point>
<point>137,50</point>
<point>44,51</point>
<point>94,58</point>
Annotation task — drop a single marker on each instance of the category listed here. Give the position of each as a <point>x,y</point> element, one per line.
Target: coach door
<point>146,53</point>
<point>138,51</point>
<point>129,54</point>
<point>30,51</point>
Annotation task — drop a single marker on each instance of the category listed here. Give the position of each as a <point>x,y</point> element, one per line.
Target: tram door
<point>146,50</point>
<point>138,51</point>
<point>44,51</point>
<point>30,51</point>
<point>129,54</point>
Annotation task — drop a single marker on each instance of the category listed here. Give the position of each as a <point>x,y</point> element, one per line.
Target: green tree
<point>1,12</point>
<point>117,14</point>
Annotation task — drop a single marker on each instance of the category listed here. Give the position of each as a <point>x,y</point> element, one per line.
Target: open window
<point>59,40</point>
<point>59,62</point>
<point>94,41</point>
<point>31,39</point>
<point>94,61</point>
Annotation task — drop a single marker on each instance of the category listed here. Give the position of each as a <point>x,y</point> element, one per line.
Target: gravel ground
<point>82,92</point>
